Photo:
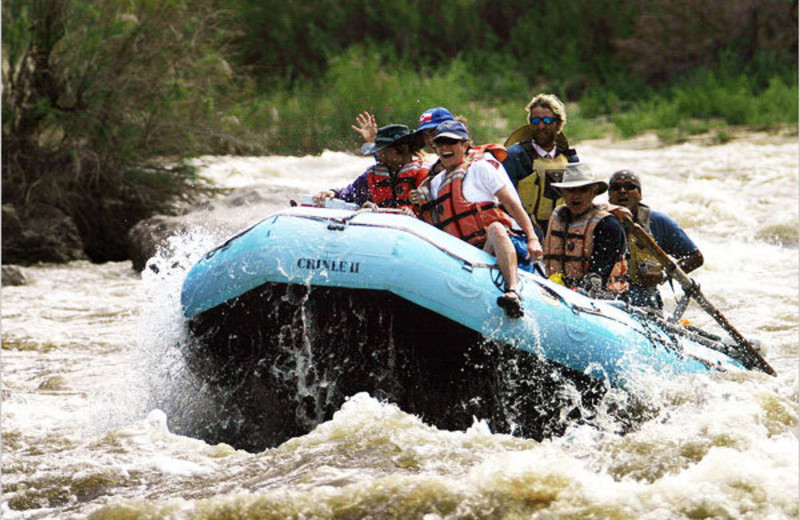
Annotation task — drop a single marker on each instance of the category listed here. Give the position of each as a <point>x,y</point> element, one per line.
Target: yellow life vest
<point>539,198</point>
<point>642,259</point>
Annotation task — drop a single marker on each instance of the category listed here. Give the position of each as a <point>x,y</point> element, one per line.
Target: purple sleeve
<point>357,191</point>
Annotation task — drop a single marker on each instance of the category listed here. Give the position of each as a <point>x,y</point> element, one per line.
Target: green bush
<point>97,96</point>
<point>777,104</point>
<point>310,117</point>
<point>707,100</point>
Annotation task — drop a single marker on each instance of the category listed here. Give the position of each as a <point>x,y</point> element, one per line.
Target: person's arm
<point>424,196</point>
<point>609,246</point>
<point>691,262</point>
<point>494,181</point>
<point>675,242</point>
<point>366,127</point>
<point>357,192</point>
<point>511,203</point>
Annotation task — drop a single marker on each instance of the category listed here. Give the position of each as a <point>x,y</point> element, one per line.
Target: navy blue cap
<point>453,130</point>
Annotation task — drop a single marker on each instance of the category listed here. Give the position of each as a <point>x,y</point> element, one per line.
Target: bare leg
<point>499,242</point>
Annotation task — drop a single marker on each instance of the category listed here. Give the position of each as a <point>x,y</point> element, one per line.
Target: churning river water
<point>89,357</point>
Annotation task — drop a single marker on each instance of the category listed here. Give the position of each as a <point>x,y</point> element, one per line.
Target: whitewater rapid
<point>90,357</point>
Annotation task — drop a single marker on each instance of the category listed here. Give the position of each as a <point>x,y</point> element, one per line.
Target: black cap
<point>626,175</point>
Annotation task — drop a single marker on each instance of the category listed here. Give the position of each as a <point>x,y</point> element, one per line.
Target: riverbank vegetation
<point>624,67</point>
<point>102,100</point>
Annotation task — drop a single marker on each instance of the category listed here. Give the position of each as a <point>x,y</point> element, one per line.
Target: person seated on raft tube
<point>584,247</point>
<point>367,128</point>
<point>645,271</point>
<point>537,155</point>
<point>388,182</point>
<point>463,201</point>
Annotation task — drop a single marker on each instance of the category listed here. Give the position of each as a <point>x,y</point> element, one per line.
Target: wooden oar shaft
<point>693,290</point>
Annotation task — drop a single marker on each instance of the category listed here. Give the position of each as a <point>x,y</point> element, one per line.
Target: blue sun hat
<point>433,117</point>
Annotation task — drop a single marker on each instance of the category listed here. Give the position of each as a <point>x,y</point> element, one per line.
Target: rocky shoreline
<point>47,235</point>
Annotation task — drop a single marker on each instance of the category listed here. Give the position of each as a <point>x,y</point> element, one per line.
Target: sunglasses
<point>628,186</point>
<point>579,189</point>
<point>547,120</point>
<point>445,141</point>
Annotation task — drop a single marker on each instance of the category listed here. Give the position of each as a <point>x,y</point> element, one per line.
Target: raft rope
<point>650,330</point>
<point>645,319</point>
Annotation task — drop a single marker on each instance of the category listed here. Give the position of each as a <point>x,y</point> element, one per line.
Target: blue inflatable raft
<point>392,264</point>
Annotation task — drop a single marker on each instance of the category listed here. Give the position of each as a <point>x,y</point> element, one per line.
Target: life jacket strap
<point>566,235</point>
<point>473,211</point>
<point>383,182</point>
<point>563,259</point>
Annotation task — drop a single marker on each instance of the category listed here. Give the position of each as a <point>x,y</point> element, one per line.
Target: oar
<point>750,355</point>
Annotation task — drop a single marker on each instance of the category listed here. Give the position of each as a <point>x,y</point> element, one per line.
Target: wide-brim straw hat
<point>579,174</point>
<point>521,134</point>
<point>527,133</point>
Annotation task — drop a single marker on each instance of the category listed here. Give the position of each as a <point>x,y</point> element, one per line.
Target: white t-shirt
<point>484,178</point>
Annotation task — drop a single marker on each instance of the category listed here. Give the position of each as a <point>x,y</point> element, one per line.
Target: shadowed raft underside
<point>310,306</point>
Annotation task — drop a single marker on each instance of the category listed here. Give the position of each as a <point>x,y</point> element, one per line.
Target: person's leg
<point>497,239</point>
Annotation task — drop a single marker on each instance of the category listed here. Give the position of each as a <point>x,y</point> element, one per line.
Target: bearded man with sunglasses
<point>645,271</point>
<point>537,155</point>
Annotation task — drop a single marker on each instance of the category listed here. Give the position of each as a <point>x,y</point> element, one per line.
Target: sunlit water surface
<point>88,349</point>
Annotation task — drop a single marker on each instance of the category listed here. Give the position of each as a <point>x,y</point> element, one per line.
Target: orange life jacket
<point>460,217</point>
<point>477,152</point>
<point>568,247</point>
<point>473,154</point>
<point>389,190</point>
<point>427,211</point>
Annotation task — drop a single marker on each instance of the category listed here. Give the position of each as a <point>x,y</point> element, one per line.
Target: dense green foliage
<point>99,96</point>
<point>678,66</point>
<point>95,94</point>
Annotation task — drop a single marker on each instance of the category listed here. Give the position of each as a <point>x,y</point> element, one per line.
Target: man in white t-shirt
<point>465,201</point>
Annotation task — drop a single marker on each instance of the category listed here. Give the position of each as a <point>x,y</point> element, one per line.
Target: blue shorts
<point>521,247</point>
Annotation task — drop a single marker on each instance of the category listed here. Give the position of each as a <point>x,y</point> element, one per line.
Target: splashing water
<point>95,387</point>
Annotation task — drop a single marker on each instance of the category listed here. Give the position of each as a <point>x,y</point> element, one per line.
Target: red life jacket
<point>460,217</point>
<point>389,190</point>
<point>568,247</point>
